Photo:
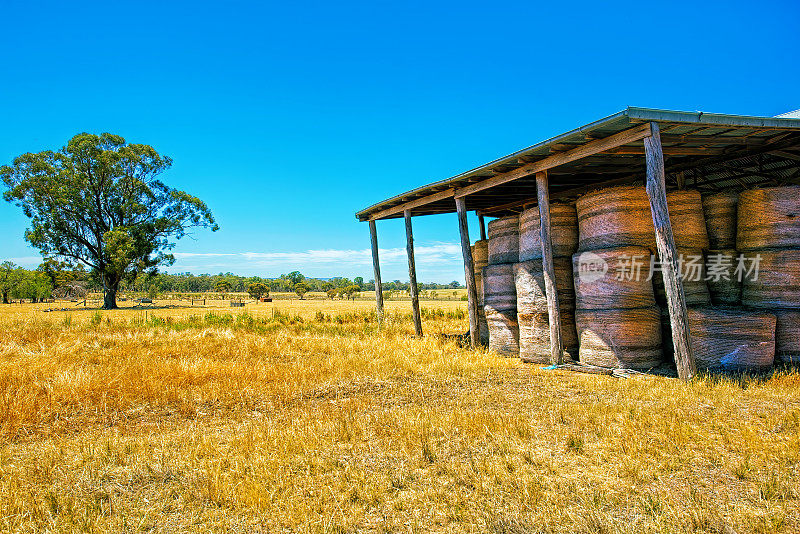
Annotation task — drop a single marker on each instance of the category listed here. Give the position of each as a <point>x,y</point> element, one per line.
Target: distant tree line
<point>61,280</point>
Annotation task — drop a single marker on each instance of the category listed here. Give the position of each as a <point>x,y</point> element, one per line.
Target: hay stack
<point>724,285</point>
<point>532,312</point>
<point>687,219</point>
<point>732,340</point>
<point>503,332</point>
<point>534,336</point>
<point>769,218</point>
<point>480,259</point>
<point>504,240</point>
<point>720,212</point>
<point>692,274</point>
<point>500,306</point>
<point>787,336</point>
<point>529,283</point>
<point>621,286</point>
<point>563,231</point>
<point>615,217</point>
<point>628,339</point>
<point>778,282</point>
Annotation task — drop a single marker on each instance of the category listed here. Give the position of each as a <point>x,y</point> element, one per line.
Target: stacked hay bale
<point>768,234</point>
<point>499,291</point>
<point>480,259</point>
<point>532,312</point>
<point>618,322</point>
<point>723,285</point>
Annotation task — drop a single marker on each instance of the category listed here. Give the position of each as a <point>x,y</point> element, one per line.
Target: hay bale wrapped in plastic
<point>503,331</point>
<point>504,240</point>
<point>534,336</point>
<point>613,278</point>
<point>769,218</point>
<point>529,284</point>
<point>629,339</point>
<point>687,219</point>
<point>563,231</point>
<point>615,217</point>
<point>732,340</point>
<point>724,285</point>
<point>692,265</point>
<point>775,283</point>
<point>787,335</point>
<point>720,212</point>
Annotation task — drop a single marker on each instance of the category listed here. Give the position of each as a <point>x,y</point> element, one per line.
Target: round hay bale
<point>529,282</point>
<point>692,265</point>
<point>732,340</point>
<point>499,291</point>
<point>720,212</point>
<point>504,240</point>
<point>480,255</point>
<point>563,231</point>
<point>503,332</point>
<point>615,217</point>
<point>687,219</point>
<point>723,283</point>
<point>629,339</point>
<point>769,218</point>
<point>612,278</point>
<point>534,336</point>
<point>787,335</point>
<point>777,284</point>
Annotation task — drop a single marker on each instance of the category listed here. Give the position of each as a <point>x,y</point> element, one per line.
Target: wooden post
<point>469,272</point>
<point>412,275</point>
<point>482,225</point>
<point>676,301</point>
<point>553,311</point>
<point>376,266</point>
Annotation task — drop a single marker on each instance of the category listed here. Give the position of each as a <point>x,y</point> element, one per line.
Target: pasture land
<point>317,420</point>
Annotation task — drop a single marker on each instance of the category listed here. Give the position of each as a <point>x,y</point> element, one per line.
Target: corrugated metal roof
<point>686,136</point>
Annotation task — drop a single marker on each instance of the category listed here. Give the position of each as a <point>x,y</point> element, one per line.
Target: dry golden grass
<point>316,424</point>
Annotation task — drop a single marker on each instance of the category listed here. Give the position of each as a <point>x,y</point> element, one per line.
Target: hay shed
<point>662,150</point>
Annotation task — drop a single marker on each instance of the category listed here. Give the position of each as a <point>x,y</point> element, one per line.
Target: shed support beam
<point>482,225</point>
<point>412,275</point>
<point>376,267</point>
<point>676,301</point>
<point>553,311</point>
<point>469,272</point>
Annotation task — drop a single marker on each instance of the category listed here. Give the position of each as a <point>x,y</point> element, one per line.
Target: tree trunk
<point>5,297</point>
<point>110,297</point>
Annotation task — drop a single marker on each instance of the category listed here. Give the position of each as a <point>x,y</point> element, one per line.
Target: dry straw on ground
<point>322,423</point>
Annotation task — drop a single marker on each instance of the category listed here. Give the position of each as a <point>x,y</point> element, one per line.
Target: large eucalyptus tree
<point>98,201</point>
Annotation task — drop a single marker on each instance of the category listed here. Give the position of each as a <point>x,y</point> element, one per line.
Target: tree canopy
<point>98,201</point>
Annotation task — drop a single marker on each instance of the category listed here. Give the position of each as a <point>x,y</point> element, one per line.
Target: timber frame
<point>662,149</point>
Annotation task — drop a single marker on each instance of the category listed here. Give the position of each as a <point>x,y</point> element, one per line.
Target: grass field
<point>312,418</point>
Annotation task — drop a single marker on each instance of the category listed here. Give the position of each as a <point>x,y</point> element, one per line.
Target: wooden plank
<point>592,147</point>
<point>483,226</point>
<point>412,275</point>
<point>676,301</point>
<point>411,204</point>
<point>469,272</point>
<point>668,151</point>
<point>553,311</point>
<point>376,267</point>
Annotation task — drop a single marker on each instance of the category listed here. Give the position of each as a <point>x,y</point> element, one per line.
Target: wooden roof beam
<point>411,204</point>
<point>592,147</point>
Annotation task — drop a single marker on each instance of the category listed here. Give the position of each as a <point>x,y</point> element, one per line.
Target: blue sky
<point>288,117</point>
